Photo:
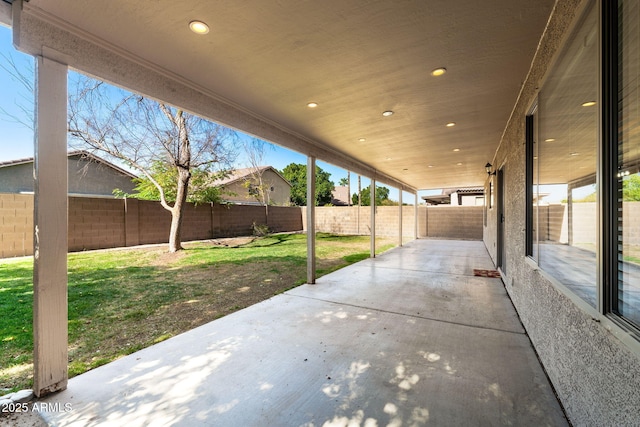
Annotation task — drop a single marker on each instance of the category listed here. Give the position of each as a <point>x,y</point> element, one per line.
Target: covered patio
<point>409,338</point>
<point>416,96</point>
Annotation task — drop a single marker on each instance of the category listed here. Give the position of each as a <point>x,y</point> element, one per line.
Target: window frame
<point>610,184</point>
<point>607,183</point>
<point>607,197</point>
<point>530,122</point>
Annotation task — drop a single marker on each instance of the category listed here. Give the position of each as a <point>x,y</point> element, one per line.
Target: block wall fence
<point>99,223</point>
<point>452,222</point>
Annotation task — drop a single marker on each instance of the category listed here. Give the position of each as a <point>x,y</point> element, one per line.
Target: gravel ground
<point>22,419</point>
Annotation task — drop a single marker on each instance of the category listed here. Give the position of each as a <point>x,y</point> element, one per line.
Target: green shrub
<point>260,230</point>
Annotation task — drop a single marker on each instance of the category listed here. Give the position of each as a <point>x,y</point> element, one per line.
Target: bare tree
<point>22,74</point>
<point>256,183</point>
<point>142,132</point>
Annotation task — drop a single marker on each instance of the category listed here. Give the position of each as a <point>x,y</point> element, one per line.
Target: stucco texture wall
<point>596,375</point>
<point>238,192</point>
<point>85,177</point>
<point>91,178</point>
<point>17,178</point>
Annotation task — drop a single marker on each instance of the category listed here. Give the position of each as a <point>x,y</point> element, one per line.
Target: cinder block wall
<point>284,219</point>
<point>98,223</point>
<point>153,223</point>
<point>95,223</point>
<point>196,223</point>
<point>16,225</point>
<point>237,220</point>
<point>458,222</point>
<point>585,221</point>
<point>558,223</point>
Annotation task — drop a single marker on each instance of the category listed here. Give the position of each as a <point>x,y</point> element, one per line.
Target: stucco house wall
<point>594,368</point>
<point>86,177</point>
<point>16,178</point>
<point>237,192</point>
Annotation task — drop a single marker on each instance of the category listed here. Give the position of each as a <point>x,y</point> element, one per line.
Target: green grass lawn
<point>123,300</point>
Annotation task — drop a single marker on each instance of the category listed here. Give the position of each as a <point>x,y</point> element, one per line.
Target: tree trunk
<point>175,235</point>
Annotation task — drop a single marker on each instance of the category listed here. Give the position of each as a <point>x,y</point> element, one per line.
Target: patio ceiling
<point>355,59</point>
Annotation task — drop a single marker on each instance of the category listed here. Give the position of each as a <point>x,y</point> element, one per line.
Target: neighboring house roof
<point>88,175</point>
<point>437,199</point>
<point>244,174</point>
<point>469,191</point>
<point>75,153</point>
<point>445,197</point>
<point>340,195</point>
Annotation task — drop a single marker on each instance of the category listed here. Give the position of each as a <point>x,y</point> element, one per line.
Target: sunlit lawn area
<point>123,300</point>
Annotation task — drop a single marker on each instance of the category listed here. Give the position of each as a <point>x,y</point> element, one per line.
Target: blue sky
<point>16,139</point>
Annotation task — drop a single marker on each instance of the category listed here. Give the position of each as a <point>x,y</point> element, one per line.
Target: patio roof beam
<point>5,13</point>
<point>36,31</point>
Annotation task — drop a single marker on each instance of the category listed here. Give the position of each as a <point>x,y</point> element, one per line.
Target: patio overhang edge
<point>39,33</point>
<point>5,13</point>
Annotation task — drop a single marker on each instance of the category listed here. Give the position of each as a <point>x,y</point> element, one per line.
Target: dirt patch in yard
<point>232,242</point>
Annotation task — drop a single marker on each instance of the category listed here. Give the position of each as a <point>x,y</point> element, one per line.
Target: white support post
<point>372,193</point>
<point>415,218</point>
<point>348,188</point>
<point>50,229</point>
<point>311,220</point>
<point>400,216</point>
<point>359,201</point>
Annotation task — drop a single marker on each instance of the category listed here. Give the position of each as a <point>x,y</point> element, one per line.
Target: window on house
<point>532,194</point>
<point>562,152</point>
<point>583,164</point>
<point>252,189</point>
<point>626,292</point>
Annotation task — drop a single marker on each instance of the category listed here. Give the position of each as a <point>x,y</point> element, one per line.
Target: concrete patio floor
<point>409,338</point>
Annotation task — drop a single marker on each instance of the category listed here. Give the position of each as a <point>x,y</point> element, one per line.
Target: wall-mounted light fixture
<point>488,167</point>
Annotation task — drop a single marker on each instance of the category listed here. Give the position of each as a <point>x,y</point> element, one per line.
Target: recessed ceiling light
<point>389,158</point>
<point>589,104</point>
<point>535,157</point>
<point>312,104</point>
<point>574,154</point>
<point>458,164</point>
<point>451,124</point>
<point>430,166</point>
<point>199,27</point>
<point>549,140</point>
<point>362,139</point>
<point>438,71</point>
<point>387,113</point>
<point>456,149</point>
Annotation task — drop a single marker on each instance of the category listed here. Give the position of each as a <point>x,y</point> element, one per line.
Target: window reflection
<point>535,193</point>
<point>567,142</point>
<point>628,292</point>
